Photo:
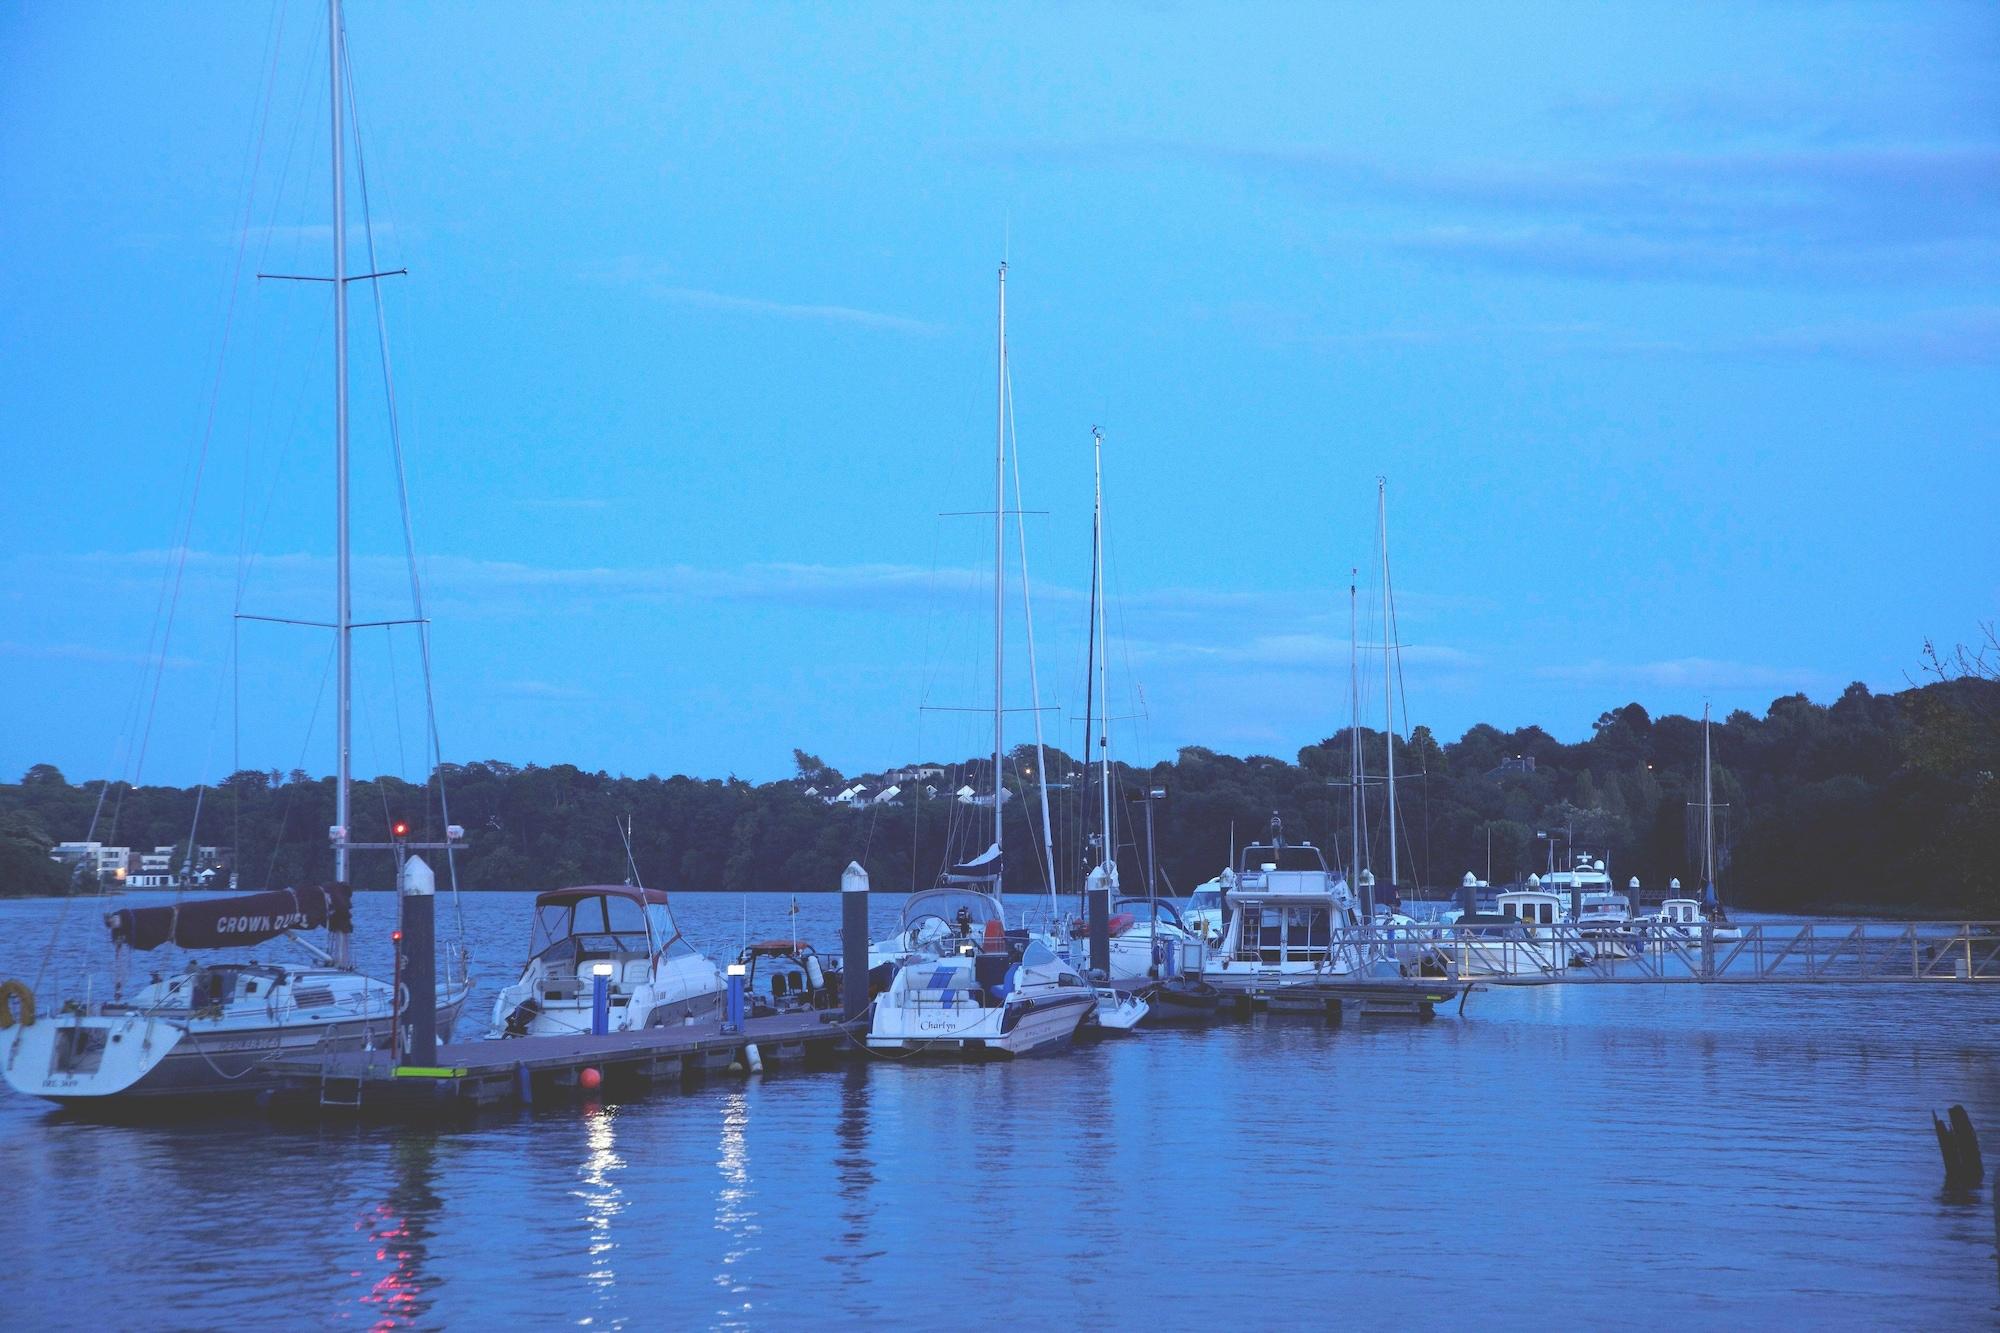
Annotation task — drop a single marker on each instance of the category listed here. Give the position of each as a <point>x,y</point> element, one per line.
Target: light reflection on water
<point>1652,1156</point>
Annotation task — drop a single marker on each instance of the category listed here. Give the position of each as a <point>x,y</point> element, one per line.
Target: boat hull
<point>130,1058</point>
<point>1036,1027</point>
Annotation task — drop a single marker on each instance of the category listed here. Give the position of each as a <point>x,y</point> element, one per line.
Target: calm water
<point>1657,1157</point>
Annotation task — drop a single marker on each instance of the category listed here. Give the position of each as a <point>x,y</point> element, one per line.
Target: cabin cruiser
<point>1291,921</point>
<point>1680,921</point>
<point>214,1028</point>
<point>970,986</point>
<point>1521,938</point>
<point>623,933</point>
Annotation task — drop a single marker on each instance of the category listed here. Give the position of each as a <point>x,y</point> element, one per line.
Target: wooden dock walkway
<point>471,1074</point>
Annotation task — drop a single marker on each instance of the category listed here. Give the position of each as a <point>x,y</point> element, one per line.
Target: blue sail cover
<point>222,923</point>
<point>985,868</point>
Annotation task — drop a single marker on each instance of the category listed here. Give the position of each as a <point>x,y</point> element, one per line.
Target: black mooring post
<point>853,941</point>
<point>1468,894</point>
<point>1097,890</point>
<point>416,1003</point>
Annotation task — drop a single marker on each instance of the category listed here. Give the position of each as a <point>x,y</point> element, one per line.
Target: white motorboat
<point>976,988</point>
<point>626,935</point>
<point>1291,921</point>
<point>213,1029</point>
<point>1118,1011</point>
<point>1681,921</point>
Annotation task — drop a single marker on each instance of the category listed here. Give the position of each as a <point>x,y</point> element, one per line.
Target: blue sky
<point>1674,329</point>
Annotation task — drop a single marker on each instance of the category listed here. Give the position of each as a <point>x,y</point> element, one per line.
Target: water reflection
<point>734,1217</point>
<point>602,1199</point>
<point>400,1228</point>
<point>856,1181</point>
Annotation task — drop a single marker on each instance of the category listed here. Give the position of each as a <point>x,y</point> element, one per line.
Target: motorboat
<point>1681,921</point>
<point>1118,1011</point>
<point>974,987</point>
<point>1291,920</point>
<point>787,977</point>
<point>623,934</point>
<point>1149,940</point>
<point>214,1029</point>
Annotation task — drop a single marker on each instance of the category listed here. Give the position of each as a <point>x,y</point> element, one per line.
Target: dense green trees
<point>1874,800</point>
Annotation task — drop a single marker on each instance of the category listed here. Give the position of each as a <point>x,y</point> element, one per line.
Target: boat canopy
<point>222,923</point>
<point>1290,856</point>
<point>618,918</point>
<point>1144,907</point>
<point>945,904</point>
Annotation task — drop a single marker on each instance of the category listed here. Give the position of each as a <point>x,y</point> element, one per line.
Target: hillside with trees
<point>1875,801</point>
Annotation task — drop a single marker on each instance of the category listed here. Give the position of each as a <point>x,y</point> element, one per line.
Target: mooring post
<point>1468,894</point>
<point>416,997</point>
<point>737,971</point>
<point>600,998</point>
<point>853,941</point>
<point>1097,892</point>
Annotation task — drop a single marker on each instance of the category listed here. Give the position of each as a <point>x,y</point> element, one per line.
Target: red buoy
<point>590,1078</point>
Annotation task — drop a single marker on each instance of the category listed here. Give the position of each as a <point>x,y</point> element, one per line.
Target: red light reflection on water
<point>395,1295</point>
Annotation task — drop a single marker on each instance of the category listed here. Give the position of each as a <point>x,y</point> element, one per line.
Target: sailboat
<point>218,1029</point>
<point>1686,920</point>
<point>964,982</point>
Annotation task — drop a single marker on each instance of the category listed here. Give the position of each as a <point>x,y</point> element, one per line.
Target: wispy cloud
<point>561,504</point>
<point>1857,213</point>
<point>84,652</point>
<point>660,282</point>
<point>1687,673</point>
<point>547,690</point>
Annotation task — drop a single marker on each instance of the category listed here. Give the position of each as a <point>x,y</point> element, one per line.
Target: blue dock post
<point>600,998</point>
<point>735,1021</point>
<point>416,997</point>
<point>853,941</point>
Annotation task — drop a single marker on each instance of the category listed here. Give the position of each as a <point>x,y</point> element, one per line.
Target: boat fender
<point>9,993</point>
<point>1122,923</point>
<point>815,975</point>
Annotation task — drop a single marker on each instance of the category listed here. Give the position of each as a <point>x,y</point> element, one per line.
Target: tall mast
<point>1388,690</point>
<point>343,612</point>
<point>1110,848</point>
<point>1353,731</point>
<point>999,552</point>
<point>1707,810</point>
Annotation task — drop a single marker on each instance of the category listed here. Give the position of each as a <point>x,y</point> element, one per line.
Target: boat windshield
<point>600,923</point>
<point>1301,856</point>
<point>1204,900</point>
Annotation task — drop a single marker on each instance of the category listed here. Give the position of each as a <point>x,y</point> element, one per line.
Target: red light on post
<point>395,937</point>
<point>400,829</point>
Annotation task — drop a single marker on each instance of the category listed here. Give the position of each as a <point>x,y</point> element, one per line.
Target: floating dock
<point>514,1072</point>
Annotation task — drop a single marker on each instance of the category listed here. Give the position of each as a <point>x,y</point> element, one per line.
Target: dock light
<point>399,829</point>
<point>602,969</point>
<point>395,937</point>
<point>738,970</point>
<point>1157,794</point>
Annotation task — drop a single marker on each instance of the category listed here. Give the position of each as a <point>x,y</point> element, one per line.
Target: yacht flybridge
<point>624,934</point>
<point>214,1028</point>
<point>1290,921</point>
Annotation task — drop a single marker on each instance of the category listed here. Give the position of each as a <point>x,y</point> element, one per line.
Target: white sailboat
<point>964,983</point>
<point>217,1029</point>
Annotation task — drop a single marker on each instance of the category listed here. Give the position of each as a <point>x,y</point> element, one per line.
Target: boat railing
<point>1779,952</point>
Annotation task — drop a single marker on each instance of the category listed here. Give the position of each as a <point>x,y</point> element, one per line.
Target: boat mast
<point>1707,812</point>
<point>1388,691</point>
<point>1110,848</point>
<point>343,612</point>
<point>999,553</point>
<point>1353,731</point>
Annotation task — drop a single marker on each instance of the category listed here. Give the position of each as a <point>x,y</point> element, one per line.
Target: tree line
<point>1878,801</point>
